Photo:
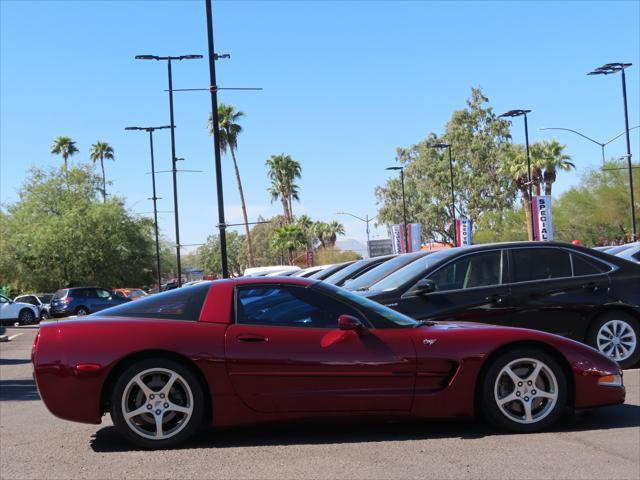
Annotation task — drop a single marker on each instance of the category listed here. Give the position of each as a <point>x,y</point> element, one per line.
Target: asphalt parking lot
<point>599,444</point>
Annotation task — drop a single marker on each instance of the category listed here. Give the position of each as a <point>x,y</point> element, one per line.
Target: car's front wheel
<point>26,317</point>
<point>523,390</point>
<point>157,403</point>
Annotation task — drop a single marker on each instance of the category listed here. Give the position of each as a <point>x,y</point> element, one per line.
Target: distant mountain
<point>353,245</point>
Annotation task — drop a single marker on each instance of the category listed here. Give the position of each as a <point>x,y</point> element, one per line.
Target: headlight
<point>610,381</point>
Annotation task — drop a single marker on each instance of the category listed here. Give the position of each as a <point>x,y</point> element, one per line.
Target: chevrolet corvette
<point>266,349</point>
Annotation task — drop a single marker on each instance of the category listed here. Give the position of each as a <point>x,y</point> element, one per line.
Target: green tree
<point>208,256</point>
<point>229,129</point>
<point>283,171</point>
<point>102,151</point>
<point>66,147</point>
<point>62,237</point>
<point>334,228</point>
<point>320,231</point>
<point>476,135</point>
<point>553,159</point>
<point>289,238</point>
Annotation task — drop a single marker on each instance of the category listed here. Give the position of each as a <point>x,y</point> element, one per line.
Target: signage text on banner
<point>463,231</point>
<point>542,219</point>
<point>413,233</point>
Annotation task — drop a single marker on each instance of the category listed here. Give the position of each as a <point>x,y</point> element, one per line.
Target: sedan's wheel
<point>616,335</point>
<point>157,403</point>
<point>524,390</point>
<point>27,317</point>
<point>82,311</point>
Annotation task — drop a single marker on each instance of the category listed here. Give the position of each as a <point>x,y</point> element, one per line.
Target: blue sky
<point>345,83</point>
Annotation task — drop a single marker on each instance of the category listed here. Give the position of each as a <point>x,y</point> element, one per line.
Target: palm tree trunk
<point>104,182</point>
<point>526,201</point>
<point>291,256</point>
<point>536,179</point>
<point>285,206</point>
<point>244,210</point>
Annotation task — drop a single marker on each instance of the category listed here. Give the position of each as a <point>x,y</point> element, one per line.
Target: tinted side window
<point>179,304</point>
<point>287,306</point>
<point>476,270</point>
<point>540,264</point>
<point>586,266</point>
<point>102,293</point>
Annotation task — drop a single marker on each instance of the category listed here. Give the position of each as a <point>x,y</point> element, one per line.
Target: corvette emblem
<point>429,341</point>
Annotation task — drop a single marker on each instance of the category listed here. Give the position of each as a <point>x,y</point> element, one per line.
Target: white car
<point>22,313</point>
<point>631,252</point>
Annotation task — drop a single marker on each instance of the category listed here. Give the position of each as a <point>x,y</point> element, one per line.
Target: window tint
<point>179,304</point>
<point>586,266</point>
<point>28,299</point>
<point>288,306</point>
<point>102,293</point>
<point>476,270</point>
<point>46,298</point>
<point>540,264</point>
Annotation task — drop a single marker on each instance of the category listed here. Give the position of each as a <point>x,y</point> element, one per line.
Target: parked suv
<point>17,312</point>
<point>83,301</point>
<point>565,289</point>
<point>42,301</point>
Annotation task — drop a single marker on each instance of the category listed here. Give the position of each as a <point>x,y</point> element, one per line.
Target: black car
<point>83,301</point>
<point>356,269</point>
<point>364,281</point>
<point>560,288</point>
<point>330,270</point>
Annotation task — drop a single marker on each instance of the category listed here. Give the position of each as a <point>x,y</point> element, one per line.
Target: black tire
<point>26,317</point>
<point>184,429</point>
<point>631,324</point>
<point>81,311</point>
<point>44,315</point>
<point>548,412</point>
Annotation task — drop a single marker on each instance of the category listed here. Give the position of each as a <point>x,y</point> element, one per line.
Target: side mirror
<point>425,286</point>
<point>348,322</point>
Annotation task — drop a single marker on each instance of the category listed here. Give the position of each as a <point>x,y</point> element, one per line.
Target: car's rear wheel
<point>26,317</point>
<point>523,390</point>
<point>157,403</point>
<point>82,311</point>
<point>616,335</point>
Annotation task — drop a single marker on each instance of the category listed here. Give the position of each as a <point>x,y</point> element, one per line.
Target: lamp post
<point>518,113</point>
<point>601,144</point>
<point>155,198</point>
<point>169,59</point>
<point>608,69</point>
<point>453,195</point>
<point>404,207</point>
<point>366,220</point>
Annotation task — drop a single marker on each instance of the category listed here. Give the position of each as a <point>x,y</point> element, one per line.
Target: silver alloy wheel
<point>157,403</point>
<point>81,312</point>
<point>617,340</point>
<point>526,390</point>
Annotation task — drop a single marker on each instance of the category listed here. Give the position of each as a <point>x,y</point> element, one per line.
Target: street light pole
<point>404,207</point>
<point>518,113</point>
<point>216,140</point>
<point>453,195</point>
<point>608,69</point>
<point>365,220</point>
<point>155,198</point>
<point>173,148</point>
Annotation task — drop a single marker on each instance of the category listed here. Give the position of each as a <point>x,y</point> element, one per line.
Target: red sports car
<point>260,349</point>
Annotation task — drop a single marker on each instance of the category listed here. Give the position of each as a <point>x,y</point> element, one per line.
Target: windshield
<point>618,249</point>
<point>396,318</point>
<point>405,274</point>
<point>376,274</point>
<point>346,272</point>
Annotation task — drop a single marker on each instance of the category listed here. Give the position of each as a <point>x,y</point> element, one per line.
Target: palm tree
<point>64,146</point>
<point>101,151</point>
<point>334,228</point>
<point>289,238</point>
<point>229,129</point>
<point>283,170</point>
<point>306,224</point>
<point>319,230</point>
<point>553,159</point>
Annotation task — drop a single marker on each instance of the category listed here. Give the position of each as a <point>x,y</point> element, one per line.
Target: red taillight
<point>67,300</point>
<point>34,348</point>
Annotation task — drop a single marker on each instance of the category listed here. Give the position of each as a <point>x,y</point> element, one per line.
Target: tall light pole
<point>366,220</point>
<point>600,144</point>
<point>518,113</point>
<point>453,195</point>
<point>155,198</point>
<point>608,69</point>
<point>404,207</point>
<point>173,147</point>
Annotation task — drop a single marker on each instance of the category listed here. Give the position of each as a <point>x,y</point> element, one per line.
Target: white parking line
<point>14,336</point>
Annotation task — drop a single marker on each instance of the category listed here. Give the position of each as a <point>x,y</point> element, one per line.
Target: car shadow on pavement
<point>108,439</point>
<point>17,390</point>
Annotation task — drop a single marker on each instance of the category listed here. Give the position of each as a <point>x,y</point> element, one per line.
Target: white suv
<point>22,313</point>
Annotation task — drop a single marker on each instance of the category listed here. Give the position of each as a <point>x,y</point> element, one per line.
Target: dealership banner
<point>463,231</point>
<point>397,238</point>
<point>542,220</point>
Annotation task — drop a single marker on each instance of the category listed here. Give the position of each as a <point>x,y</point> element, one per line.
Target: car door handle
<point>253,338</point>
<point>495,298</point>
<point>590,287</point>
